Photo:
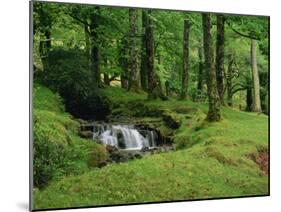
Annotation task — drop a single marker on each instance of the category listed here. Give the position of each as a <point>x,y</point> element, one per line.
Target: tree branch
<point>238,84</point>
<point>78,19</point>
<point>239,89</point>
<point>242,34</point>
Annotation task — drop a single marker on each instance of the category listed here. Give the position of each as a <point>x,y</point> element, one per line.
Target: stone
<point>86,134</point>
<point>172,120</point>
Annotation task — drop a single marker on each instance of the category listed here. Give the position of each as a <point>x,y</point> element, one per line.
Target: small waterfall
<point>152,138</point>
<point>124,136</point>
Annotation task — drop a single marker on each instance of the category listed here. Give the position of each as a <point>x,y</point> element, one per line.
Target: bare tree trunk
<point>255,75</point>
<point>45,33</point>
<point>152,84</point>
<point>249,98</point>
<point>200,70</point>
<point>123,62</point>
<point>134,83</point>
<point>106,79</point>
<point>229,81</point>
<point>220,56</point>
<point>143,70</point>
<point>185,73</point>
<point>214,102</point>
<point>88,45</point>
<point>95,48</point>
<point>48,40</point>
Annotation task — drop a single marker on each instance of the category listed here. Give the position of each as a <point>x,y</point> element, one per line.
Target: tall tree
<point>220,57</point>
<point>45,15</point>
<point>143,68</point>
<point>95,55</point>
<point>214,113</point>
<point>229,77</point>
<point>255,74</point>
<point>249,98</point>
<point>123,61</point>
<point>200,70</point>
<point>134,82</point>
<point>88,44</point>
<point>152,82</point>
<point>185,59</point>
<point>252,28</point>
<point>90,18</point>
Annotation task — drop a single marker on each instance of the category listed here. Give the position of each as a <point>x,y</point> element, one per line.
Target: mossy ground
<point>57,148</point>
<point>212,160</point>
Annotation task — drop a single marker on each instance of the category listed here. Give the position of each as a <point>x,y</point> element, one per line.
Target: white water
<point>123,136</point>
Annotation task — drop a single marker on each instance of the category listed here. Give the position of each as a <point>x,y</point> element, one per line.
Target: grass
<point>58,150</point>
<point>211,161</point>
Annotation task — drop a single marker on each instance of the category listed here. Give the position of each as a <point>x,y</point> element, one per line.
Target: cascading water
<point>124,136</point>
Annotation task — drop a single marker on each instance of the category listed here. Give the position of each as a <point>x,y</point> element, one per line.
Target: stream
<point>125,142</point>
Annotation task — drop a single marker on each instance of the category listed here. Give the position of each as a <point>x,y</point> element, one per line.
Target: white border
<point>14,89</point>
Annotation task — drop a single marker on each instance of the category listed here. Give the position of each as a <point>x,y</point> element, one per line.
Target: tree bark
<point>106,79</point>
<point>143,69</point>
<point>46,23</point>
<point>95,47</point>
<point>249,98</point>
<point>214,113</point>
<point>152,83</point>
<point>255,76</point>
<point>88,45</point>
<point>200,70</point>
<point>220,56</point>
<point>134,83</point>
<point>123,62</point>
<point>229,81</point>
<point>185,74</point>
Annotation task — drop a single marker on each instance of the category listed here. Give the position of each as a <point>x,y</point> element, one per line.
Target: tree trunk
<point>249,98</point>
<point>214,102</point>
<point>220,56</point>
<point>88,43</point>
<point>152,83</point>
<point>134,83</point>
<point>48,40</point>
<point>106,79</point>
<point>123,62</point>
<point>95,47</point>
<point>185,73</point>
<point>167,88</point>
<point>200,70</point>
<point>229,81</point>
<point>143,70</point>
<point>45,33</point>
<point>255,76</point>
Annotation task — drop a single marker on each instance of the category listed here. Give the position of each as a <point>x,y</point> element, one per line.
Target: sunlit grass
<point>214,164</point>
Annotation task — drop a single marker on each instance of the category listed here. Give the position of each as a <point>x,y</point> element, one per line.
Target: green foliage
<point>58,151</point>
<point>67,73</point>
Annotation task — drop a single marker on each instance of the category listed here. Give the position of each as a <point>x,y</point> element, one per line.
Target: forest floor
<point>212,160</point>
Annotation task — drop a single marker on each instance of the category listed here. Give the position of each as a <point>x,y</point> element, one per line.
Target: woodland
<point>188,90</point>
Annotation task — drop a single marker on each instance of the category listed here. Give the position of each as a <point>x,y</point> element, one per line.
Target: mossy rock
<point>165,131</point>
<point>98,157</point>
<point>172,119</point>
<point>184,110</point>
<point>86,134</point>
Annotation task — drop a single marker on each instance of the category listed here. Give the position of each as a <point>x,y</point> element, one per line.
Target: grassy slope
<point>215,166</point>
<point>63,152</point>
